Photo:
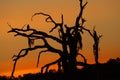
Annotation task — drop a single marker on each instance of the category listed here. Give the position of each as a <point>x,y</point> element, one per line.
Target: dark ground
<point>107,71</point>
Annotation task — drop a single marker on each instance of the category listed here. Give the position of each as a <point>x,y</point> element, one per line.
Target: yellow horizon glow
<point>18,73</point>
<point>21,72</point>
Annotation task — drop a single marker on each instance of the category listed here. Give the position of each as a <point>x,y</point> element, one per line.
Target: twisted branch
<point>49,19</point>
<point>33,34</point>
<point>48,65</point>
<point>81,12</point>
<point>39,56</point>
<point>85,60</point>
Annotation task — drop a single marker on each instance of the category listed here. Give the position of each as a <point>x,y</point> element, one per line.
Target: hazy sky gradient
<point>104,14</point>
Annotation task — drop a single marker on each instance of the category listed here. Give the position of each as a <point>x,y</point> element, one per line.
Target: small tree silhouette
<point>70,38</point>
<point>96,39</point>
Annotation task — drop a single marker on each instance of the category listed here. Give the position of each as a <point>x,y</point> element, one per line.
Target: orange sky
<point>104,14</point>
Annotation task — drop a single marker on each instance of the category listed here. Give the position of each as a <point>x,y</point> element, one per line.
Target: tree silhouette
<point>96,39</point>
<point>70,38</point>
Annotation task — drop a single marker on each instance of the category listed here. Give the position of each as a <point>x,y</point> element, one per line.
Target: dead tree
<point>70,38</point>
<point>96,39</point>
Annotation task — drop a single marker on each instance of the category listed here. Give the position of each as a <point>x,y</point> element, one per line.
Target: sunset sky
<point>104,14</point>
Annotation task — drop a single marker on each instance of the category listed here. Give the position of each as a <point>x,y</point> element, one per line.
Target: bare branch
<point>81,12</point>
<point>34,34</point>
<point>46,45</point>
<point>56,25</point>
<point>16,57</point>
<point>9,25</point>
<point>49,64</point>
<point>85,60</point>
<point>85,4</point>
<point>12,74</point>
<point>39,56</point>
<point>86,30</point>
<point>37,34</point>
<point>48,17</point>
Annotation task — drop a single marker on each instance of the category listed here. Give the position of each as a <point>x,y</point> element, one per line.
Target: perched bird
<point>83,20</point>
<point>28,27</point>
